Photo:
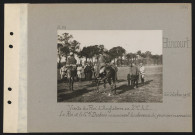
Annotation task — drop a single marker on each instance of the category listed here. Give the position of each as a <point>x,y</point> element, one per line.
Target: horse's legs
<point>109,81</point>
<point>136,81</point>
<point>132,82</point>
<point>69,83</point>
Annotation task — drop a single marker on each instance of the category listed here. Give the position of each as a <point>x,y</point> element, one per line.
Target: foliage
<point>67,44</point>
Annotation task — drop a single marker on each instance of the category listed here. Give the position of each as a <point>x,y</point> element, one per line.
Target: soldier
<point>71,65</point>
<point>115,68</point>
<point>134,75</point>
<point>102,63</point>
<point>71,60</point>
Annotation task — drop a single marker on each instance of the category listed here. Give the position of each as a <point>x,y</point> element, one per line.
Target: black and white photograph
<point>97,68</point>
<point>109,66</point>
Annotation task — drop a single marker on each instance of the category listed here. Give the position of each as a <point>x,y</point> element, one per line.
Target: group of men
<point>135,71</point>
<point>98,68</point>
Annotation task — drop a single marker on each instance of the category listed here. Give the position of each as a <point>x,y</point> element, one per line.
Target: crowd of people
<point>84,71</point>
<point>90,70</point>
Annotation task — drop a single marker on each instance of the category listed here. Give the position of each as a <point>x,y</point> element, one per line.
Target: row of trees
<point>117,54</point>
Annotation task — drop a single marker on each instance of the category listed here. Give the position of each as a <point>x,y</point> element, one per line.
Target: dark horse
<point>71,74</point>
<point>109,76</point>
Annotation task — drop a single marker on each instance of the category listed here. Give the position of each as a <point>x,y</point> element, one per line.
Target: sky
<point>130,40</point>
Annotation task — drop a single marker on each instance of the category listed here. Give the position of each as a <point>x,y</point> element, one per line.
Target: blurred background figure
<point>79,72</point>
<point>142,72</point>
<point>63,72</point>
<point>88,72</point>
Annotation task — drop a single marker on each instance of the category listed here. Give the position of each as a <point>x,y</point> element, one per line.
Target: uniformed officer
<point>71,61</point>
<point>102,62</point>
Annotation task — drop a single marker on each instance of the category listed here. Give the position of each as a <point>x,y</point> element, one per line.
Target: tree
<point>134,56</point>
<point>59,46</point>
<point>129,56</point>
<point>101,48</point>
<point>148,54</point>
<point>117,52</point>
<point>139,52</point>
<point>64,39</point>
<point>65,51</point>
<point>113,54</point>
<point>95,50</point>
<point>143,55</point>
<point>74,46</point>
<point>67,45</point>
<point>87,52</point>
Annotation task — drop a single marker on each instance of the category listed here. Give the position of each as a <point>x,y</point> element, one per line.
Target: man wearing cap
<point>71,65</point>
<point>103,60</point>
<point>71,60</point>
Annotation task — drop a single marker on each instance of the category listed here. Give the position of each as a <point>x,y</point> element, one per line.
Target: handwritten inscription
<point>107,108</point>
<point>177,94</point>
<point>102,111</point>
<point>115,111</point>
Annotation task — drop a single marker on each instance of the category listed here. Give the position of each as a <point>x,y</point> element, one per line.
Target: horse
<point>109,76</point>
<point>71,73</point>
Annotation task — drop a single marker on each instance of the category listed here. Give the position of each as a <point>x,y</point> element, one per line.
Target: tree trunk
<point>86,59</point>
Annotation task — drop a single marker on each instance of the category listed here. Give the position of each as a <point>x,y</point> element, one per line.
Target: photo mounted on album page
<point>98,67</point>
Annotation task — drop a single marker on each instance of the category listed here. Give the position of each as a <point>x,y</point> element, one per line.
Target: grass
<point>85,91</point>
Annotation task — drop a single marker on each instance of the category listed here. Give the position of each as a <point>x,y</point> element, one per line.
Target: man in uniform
<point>134,75</point>
<point>115,68</point>
<point>102,63</point>
<point>71,63</point>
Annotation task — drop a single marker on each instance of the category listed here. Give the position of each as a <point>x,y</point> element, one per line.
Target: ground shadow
<point>145,83</point>
<point>121,80</point>
<point>80,92</point>
<point>93,83</point>
<point>73,94</point>
<point>125,87</point>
